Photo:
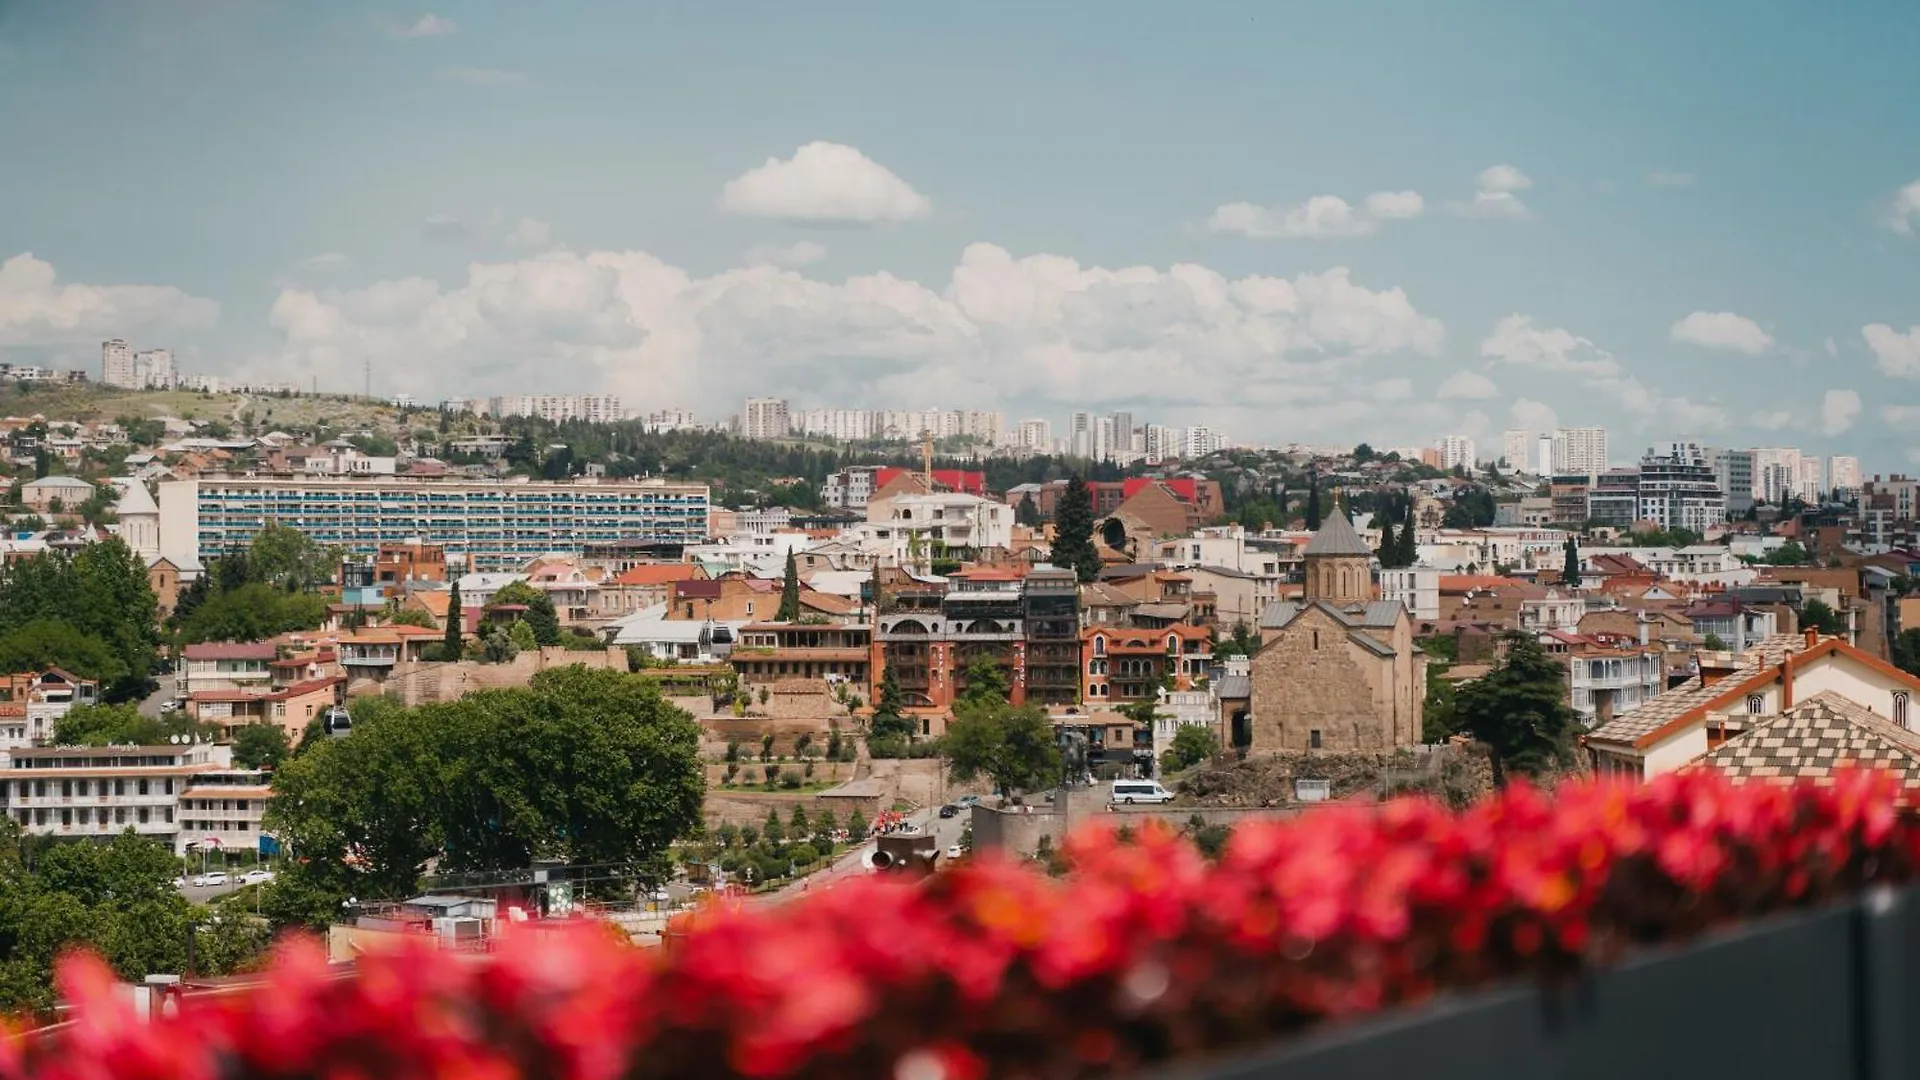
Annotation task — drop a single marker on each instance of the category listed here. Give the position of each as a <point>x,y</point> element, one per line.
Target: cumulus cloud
<point>1497,194</point>
<point>1900,415</point>
<point>1662,178</point>
<point>1722,330</point>
<point>804,253</point>
<point>1517,342</point>
<point>824,183</point>
<point>1904,213</point>
<point>1320,217</point>
<point>428,25</point>
<point>1467,386</point>
<point>1534,416</point>
<point>1838,410</point>
<point>36,308</point>
<point>1898,354</point>
<point>530,234</point>
<point>474,76</point>
<point>1041,329</point>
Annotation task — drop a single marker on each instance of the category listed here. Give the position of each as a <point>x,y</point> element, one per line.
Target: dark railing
<point>1833,993</point>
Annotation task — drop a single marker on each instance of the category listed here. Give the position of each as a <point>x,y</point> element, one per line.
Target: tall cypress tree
<point>1313,501</point>
<point>1073,538</point>
<point>456,621</point>
<point>1409,553</point>
<point>789,593</point>
<point>1570,573</point>
<point>1389,550</point>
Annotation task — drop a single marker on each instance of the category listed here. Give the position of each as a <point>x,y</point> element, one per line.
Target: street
<point>946,831</point>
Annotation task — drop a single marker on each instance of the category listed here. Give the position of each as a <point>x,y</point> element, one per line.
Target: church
<point>1337,670</point>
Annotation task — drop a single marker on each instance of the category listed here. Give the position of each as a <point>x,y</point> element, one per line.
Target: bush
<point>925,749</point>
<point>887,746</point>
<point>789,778</point>
<point>803,854</point>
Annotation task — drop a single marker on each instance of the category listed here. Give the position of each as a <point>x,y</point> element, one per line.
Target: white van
<point>1128,792</point>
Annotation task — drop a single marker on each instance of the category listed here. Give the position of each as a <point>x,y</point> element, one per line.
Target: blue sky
<point>1674,220</point>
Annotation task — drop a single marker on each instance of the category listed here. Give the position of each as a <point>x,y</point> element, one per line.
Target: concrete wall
<point>1018,831</point>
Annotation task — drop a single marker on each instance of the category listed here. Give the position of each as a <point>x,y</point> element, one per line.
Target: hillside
<point>90,402</point>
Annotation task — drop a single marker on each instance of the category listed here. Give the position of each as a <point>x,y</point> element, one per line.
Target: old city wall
<point>418,683</point>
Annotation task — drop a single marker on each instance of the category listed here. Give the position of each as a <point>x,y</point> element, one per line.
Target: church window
<point>1756,704</point>
<point>1313,739</point>
<point>1316,639</point>
<point>1900,709</point>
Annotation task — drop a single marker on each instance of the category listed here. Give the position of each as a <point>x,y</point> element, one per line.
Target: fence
<point>1831,993</point>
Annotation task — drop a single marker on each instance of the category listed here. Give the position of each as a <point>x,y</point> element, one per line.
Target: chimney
<point>1813,637</point>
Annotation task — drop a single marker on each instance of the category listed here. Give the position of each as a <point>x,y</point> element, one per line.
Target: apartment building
<point>116,365</point>
<point>225,665</point>
<point>1733,472</point>
<point>850,488</point>
<point>591,408</point>
<point>1456,452</point>
<point>765,418</point>
<point>929,633</point>
<point>768,652</point>
<point>1678,489</point>
<point>1122,665</point>
<point>1416,588</point>
<point>495,525</point>
<point>1514,443</point>
<point>222,809</point>
<point>100,791</point>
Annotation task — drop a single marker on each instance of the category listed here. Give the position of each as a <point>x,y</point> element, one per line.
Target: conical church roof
<point>1336,537</point>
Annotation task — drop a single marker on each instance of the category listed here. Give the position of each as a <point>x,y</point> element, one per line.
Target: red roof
<point>1183,487</point>
<point>230,650</point>
<point>989,573</point>
<point>961,480</point>
<point>658,574</point>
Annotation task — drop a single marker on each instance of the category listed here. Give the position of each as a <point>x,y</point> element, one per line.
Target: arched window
<point>1099,645</point>
<point>1756,704</point>
<point>1900,709</point>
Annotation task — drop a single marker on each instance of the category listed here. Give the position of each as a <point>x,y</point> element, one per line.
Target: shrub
<point>803,854</point>
<point>789,778</point>
<point>887,746</point>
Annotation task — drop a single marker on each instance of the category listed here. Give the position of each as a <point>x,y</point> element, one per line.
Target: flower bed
<point>1146,953</point>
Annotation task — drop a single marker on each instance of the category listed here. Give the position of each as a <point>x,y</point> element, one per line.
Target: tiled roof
<point>658,573</point>
<point>1813,739</point>
<point>1691,695</point>
<point>1233,687</point>
<point>1382,613</point>
<point>230,650</point>
<point>1336,537</point>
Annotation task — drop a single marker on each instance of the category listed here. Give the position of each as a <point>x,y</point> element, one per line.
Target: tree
<point>797,826</point>
<point>889,715</point>
<point>1714,643</point>
<point>985,684</point>
<point>1439,715</point>
<point>1570,571</point>
<point>1408,552</point>
<point>456,621</point>
<point>1519,710</point>
<point>543,622</point>
<point>409,617</point>
<point>1389,550</point>
<point>1313,501</point>
<point>1025,512</point>
<point>857,827</point>
<point>252,612</point>
<point>584,766</point>
<point>1192,744</point>
<point>288,559</point>
<point>1012,747</point>
<point>1816,615</point>
<point>789,592</point>
<point>1073,536</point>
<point>110,725</point>
<point>260,746</point>
<point>523,637</point>
<point>1362,454</point>
<point>773,832</point>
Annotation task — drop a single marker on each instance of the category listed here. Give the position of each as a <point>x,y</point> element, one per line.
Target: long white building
<point>496,525</point>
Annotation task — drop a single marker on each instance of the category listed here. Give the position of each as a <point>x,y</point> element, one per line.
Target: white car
<point>1128,792</point>
<point>954,851</point>
<point>169,705</point>
<point>256,877</point>
<point>180,882</point>
<point>218,877</point>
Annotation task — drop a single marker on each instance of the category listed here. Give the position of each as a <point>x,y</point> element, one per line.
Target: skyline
<point>1289,224</point>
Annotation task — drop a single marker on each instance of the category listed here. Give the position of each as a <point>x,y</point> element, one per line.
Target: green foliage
<point>1472,508</point>
<point>985,684</point>
<point>498,647</point>
<point>857,827</point>
<point>1389,549</point>
<point>587,766</point>
<point>1714,643</point>
<point>522,637</point>
<point>1192,744</point>
<point>102,597</point>
<point>252,612</point>
<point>1242,643</point>
<point>258,746</point>
<point>540,617</point>
<point>1519,710</point>
<point>288,559</point>
<point>456,621</point>
<point>1440,712</point>
<point>1675,538</point>
<point>1790,553</point>
<point>1073,523</point>
<point>410,617</point>
<point>889,719</point>
<point>1025,512</point>
<point>789,593</point>
<point>1570,569</point>
<point>1012,747</point>
<point>1313,501</point>
<point>1906,651</point>
<point>107,725</point>
<point>1816,615</point>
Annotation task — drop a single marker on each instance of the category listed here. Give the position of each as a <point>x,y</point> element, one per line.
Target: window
<point>1756,704</point>
<point>1099,645</point>
<point>1900,709</point>
<point>143,790</point>
<point>142,815</point>
<point>1316,645</point>
<point>1313,739</point>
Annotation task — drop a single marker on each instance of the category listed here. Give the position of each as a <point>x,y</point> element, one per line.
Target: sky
<point>1317,222</point>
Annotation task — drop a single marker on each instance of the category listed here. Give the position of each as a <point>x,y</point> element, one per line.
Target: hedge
<point>1146,952</point>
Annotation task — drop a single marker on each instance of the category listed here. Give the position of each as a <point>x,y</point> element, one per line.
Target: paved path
<point>946,833</point>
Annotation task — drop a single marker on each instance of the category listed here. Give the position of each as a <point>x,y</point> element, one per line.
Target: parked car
<point>218,877</point>
<point>967,801</point>
<point>256,877</point>
<point>954,851</point>
<point>949,810</point>
<point>1129,792</point>
<point>170,705</point>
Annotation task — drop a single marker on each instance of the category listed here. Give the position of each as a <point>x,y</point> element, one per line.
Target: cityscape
<point>945,543</point>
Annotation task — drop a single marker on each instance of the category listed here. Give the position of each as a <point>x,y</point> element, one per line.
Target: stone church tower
<point>1339,563</point>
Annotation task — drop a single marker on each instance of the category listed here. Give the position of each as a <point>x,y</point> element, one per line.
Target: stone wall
<point>416,682</point>
<point>1018,830</point>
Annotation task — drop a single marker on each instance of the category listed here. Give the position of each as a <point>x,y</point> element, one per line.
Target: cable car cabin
<point>336,721</point>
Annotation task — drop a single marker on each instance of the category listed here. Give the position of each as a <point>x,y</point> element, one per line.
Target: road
<point>946,831</point>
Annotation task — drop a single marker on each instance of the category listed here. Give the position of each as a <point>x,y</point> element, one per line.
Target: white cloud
<point>1833,347</point>
<point>804,253</point>
<point>1534,416</point>
<point>1516,341</point>
<point>1662,178</point>
<point>1898,354</point>
<point>530,234</point>
<point>1042,329</point>
<point>428,25</point>
<point>1320,217</point>
<point>1722,330</point>
<point>473,76</point>
<point>1466,385</point>
<point>1776,420</point>
<point>1838,410</point>
<point>1497,194</point>
<point>1904,214</point>
<point>444,227</point>
<point>37,309</point>
<point>824,183</point>
<point>1396,389</point>
<point>1900,414</point>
